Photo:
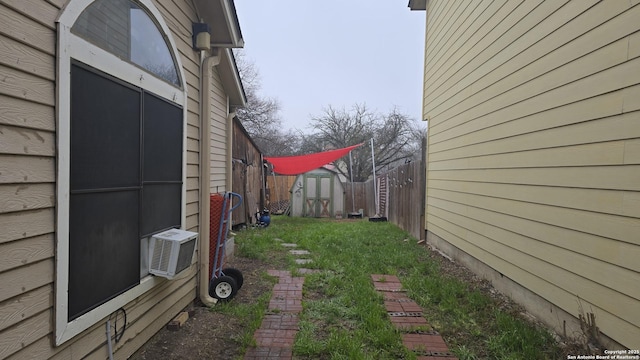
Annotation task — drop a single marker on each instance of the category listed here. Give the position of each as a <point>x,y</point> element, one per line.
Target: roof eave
<point>418,4</point>
<point>231,81</point>
<point>222,18</point>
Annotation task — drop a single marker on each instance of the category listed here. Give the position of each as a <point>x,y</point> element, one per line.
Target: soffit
<point>222,18</point>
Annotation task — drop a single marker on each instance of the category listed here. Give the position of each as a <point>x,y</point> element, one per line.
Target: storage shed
<point>318,193</point>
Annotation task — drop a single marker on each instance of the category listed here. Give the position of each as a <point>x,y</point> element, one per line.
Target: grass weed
<point>249,314</point>
<point>344,317</point>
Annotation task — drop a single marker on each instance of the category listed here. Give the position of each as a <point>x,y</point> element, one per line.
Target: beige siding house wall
<point>533,173</point>
<point>219,135</point>
<point>28,157</point>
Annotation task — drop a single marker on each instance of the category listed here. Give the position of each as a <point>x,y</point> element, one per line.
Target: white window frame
<point>72,47</point>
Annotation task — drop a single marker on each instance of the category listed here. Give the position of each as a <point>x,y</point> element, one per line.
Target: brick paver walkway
<point>406,315</point>
<point>274,339</point>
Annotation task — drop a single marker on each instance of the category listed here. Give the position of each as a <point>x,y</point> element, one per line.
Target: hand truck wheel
<point>235,274</point>
<point>223,288</point>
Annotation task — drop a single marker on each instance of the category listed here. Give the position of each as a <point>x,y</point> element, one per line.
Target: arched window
<point>121,154</point>
<point>124,29</point>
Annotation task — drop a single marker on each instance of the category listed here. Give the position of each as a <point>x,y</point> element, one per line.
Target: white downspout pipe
<point>353,195</point>
<point>375,186</point>
<point>206,66</point>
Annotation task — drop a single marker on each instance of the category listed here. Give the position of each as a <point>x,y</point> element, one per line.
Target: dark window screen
<point>161,207</point>
<point>105,132</point>
<point>162,175</point>
<point>104,247</point>
<point>126,183</point>
<point>104,251</point>
<point>162,140</point>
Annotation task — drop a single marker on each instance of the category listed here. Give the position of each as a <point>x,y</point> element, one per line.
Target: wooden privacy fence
<point>405,190</point>
<point>360,192</point>
<point>278,197</point>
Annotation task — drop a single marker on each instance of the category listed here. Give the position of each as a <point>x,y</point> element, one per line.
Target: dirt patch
<point>210,335</point>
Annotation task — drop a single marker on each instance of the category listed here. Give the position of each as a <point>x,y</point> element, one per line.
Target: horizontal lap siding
<point>534,147</point>
<point>218,134</point>
<point>27,173</point>
<point>27,190</point>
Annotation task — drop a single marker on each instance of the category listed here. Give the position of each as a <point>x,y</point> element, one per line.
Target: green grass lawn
<point>344,317</point>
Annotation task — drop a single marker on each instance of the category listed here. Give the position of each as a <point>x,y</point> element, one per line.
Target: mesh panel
<point>161,254</point>
<point>216,204</point>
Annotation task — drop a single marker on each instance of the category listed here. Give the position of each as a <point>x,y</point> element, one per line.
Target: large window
<point>126,183</point>
<point>121,155</point>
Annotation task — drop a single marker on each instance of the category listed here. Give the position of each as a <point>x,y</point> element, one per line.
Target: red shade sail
<point>294,165</point>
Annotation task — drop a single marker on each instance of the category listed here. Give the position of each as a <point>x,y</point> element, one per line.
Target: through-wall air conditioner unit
<point>171,252</point>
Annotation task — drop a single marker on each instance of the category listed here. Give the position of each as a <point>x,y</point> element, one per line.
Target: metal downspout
<point>207,62</point>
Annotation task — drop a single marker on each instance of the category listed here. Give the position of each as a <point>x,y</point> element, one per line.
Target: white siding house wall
<point>534,149</point>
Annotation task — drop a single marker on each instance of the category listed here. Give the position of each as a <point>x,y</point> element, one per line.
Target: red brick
<point>424,342</point>
<point>385,278</point>
<point>383,286</point>
<point>284,321</point>
<point>393,306</point>
<point>274,338</point>
<point>408,323</point>
<point>268,353</point>
<point>410,307</point>
<point>287,286</point>
<point>286,305</point>
<point>395,296</point>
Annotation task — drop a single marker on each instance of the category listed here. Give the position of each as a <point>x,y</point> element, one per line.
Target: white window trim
<point>70,46</point>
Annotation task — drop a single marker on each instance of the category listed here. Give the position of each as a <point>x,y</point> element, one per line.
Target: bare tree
<point>396,136</point>
<point>275,142</point>
<point>260,117</point>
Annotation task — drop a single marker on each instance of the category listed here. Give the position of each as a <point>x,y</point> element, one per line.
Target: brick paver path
<point>274,339</point>
<point>406,315</point>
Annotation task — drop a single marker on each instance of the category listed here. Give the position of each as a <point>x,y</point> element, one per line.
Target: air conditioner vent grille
<point>161,255</point>
<point>171,252</point>
<point>185,255</point>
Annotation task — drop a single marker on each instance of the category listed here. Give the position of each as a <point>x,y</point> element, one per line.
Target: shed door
<point>318,190</point>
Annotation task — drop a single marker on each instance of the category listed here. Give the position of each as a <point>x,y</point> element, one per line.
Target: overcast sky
<point>311,54</point>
